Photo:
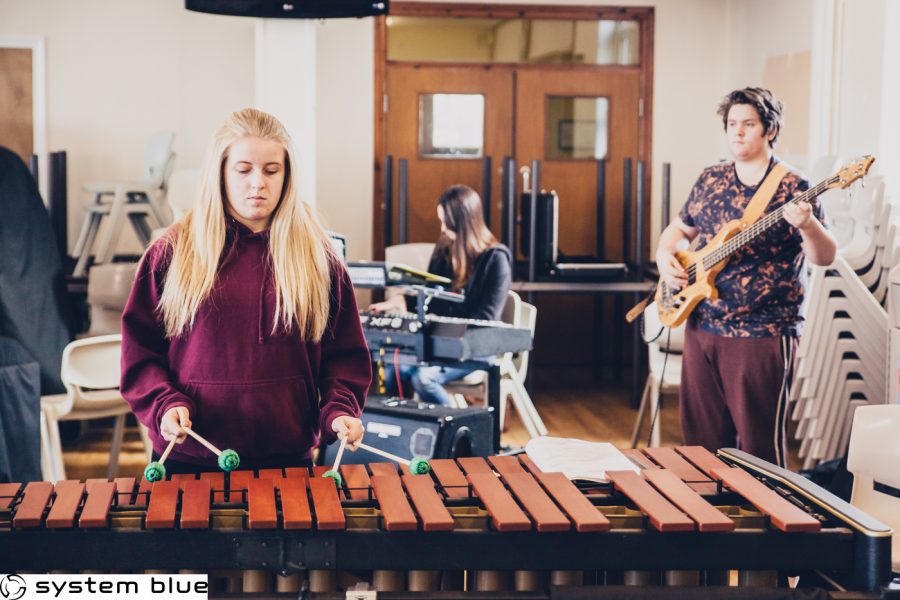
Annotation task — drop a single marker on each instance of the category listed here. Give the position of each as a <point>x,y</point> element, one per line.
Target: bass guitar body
<point>675,306</point>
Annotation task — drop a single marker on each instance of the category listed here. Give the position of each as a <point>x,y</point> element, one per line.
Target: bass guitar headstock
<point>850,173</point>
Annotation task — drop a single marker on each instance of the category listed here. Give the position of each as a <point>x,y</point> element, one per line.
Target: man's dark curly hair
<point>768,107</point>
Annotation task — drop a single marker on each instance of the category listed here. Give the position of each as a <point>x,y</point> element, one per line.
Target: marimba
<point>686,518</point>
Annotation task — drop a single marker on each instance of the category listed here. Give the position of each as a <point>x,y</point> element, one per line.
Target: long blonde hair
<point>300,252</point>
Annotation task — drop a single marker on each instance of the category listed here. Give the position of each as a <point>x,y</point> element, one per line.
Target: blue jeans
<point>427,381</point>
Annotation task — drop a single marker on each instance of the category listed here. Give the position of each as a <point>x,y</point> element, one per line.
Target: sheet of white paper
<point>577,459</point>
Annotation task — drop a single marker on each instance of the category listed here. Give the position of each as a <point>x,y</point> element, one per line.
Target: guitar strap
<point>763,195</point>
<point>755,208</point>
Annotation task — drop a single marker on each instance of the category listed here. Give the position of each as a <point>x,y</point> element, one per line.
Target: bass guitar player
<point>739,343</point>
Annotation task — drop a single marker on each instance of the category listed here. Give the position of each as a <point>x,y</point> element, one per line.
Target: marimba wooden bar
<point>682,513</point>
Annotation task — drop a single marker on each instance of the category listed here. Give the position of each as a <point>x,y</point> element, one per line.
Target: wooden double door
<point>519,122</point>
<point>16,118</point>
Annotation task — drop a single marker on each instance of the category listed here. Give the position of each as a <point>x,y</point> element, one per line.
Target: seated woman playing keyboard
<point>478,265</point>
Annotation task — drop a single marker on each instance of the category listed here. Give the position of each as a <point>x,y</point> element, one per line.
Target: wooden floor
<point>570,402</point>
<point>573,405</point>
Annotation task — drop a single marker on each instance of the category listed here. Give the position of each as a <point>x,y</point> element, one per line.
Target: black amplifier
<point>408,428</point>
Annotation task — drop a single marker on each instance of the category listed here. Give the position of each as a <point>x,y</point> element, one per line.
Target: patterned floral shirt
<point>761,289</point>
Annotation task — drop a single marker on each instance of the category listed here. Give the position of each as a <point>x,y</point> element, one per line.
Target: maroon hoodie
<point>259,394</point>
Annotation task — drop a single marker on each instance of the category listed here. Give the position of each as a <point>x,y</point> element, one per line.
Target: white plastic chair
<point>143,202</point>
<point>874,457</point>
<point>513,371</point>
<point>475,383</point>
<point>664,346</point>
<point>108,288</point>
<point>90,372</point>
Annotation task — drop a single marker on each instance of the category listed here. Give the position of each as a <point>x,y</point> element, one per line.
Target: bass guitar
<point>703,265</point>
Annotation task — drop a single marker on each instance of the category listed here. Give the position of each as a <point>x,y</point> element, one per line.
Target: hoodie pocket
<point>257,418</point>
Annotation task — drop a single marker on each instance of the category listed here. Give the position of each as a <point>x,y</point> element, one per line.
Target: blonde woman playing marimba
<point>242,322</point>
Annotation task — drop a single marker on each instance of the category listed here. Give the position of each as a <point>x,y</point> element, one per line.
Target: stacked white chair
<point>141,202</point>
<point>860,213</point>
<point>841,360</point>
<point>872,248</point>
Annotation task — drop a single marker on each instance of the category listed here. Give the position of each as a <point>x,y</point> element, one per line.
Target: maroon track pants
<point>734,392</point>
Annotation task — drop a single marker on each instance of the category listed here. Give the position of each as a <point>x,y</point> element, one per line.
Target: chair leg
<point>504,395</point>
<point>46,454</point>
<point>143,230</point>
<point>118,434</point>
<point>655,413</point>
<point>58,467</point>
<point>527,411</point>
<point>90,236</point>
<point>157,201</point>
<point>107,248</point>
<point>81,245</point>
<point>638,421</point>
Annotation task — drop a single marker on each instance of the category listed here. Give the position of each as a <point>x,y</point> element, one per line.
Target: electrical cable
<point>662,379</point>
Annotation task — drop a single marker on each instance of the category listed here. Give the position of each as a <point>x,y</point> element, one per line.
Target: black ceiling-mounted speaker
<point>291,9</point>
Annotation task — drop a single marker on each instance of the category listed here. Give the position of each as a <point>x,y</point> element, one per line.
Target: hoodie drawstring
<point>262,298</point>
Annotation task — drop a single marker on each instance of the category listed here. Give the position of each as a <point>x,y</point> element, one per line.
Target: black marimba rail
<point>850,557</point>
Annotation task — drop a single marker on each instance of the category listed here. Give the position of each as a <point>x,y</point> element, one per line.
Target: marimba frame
<point>842,547</point>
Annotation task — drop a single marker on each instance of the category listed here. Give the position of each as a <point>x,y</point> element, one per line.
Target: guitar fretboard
<point>726,250</point>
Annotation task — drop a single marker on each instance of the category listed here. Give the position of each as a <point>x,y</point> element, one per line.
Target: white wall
<point>286,87</point>
<point>119,71</point>
<point>781,64</point>
<point>856,80</point>
<point>889,149</point>
<point>689,69</point>
<point>761,29</point>
<point>345,144</point>
<point>860,73</point>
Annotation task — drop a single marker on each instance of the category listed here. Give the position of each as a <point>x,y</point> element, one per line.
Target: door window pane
<point>451,125</point>
<point>542,41</point>
<point>577,127</point>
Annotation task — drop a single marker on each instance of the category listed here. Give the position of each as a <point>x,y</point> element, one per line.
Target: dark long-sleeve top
<point>260,394</point>
<point>486,290</point>
<point>32,290</point>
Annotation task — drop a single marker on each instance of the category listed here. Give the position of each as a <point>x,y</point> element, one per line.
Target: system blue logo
<point>12,587</point>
